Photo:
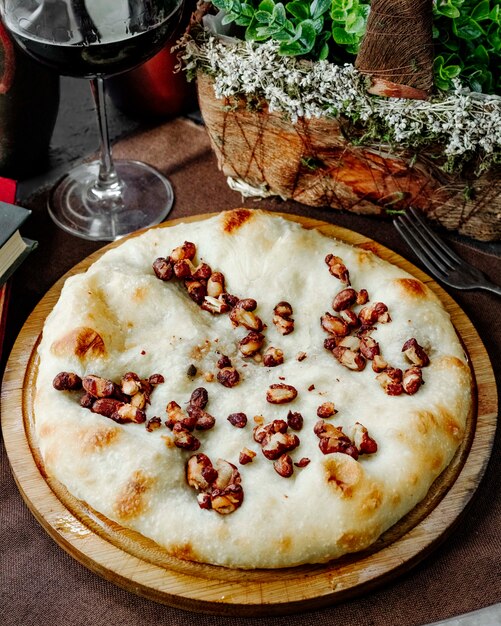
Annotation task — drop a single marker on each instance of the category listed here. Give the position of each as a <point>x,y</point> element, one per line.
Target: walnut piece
<point>390,380</point>
<point>228,377</point>
<point>415,353</point>
<point>412,380</point>
<point>337,268</point>
<point>334,325</point>
<point>282,318</point>
<point>67,381</point>
<point>344,299</point>
<point>326,410</point>
<point>239,420</point>
<point>251,344</point>
<point>280,393</point>
<point>163,268</point>
<point>350,359</point>
<point>273,357</point>
<point>284,466</point>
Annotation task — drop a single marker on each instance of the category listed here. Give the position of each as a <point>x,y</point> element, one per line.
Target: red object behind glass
<point>155,89</point>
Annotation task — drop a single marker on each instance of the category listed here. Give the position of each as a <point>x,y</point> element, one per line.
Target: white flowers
<point>462,122</point>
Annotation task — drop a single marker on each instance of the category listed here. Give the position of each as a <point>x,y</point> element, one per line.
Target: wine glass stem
<point>108,184</point>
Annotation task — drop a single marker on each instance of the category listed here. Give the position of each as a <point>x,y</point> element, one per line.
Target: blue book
<point>13,248</point>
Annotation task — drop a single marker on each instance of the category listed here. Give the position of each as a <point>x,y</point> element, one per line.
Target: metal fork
<point>437,257</point>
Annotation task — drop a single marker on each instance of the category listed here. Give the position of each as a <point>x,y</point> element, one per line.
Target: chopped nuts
<point>303,462</point>
<point>175,415</point>
<point>183,269</point>
<point>127,413</point>
<point>202,272</point>
<point>67,381</point>
<point>333,439</point>
<point>153,424</point>
<point>390,380</point>
<point>205,421</point>
<point>326,410</point>
<point>215,285</point>
<point>275,444</point>
<point>379,364</point>
<point>156,379</point>
<point>104,406</point>
<point>348,358</point>
<point>214,305</point>
<point>98,387</point>
<point>350,317</point>
<point>281,393</point>
<point>362,297</point>
<point>412,380</point>
<point>228,377</point>
<point>369,347</point>
<point>239,420</point>
<point>350,341</point>
<point>334,325</point>
<point>200,472</point>
<point>251,344</point>
<point>376,312</point>
<point>415,353</point>
<point>242,315</point>
<point>295,420</point>
<point>246,456</point>
<point>344,299</point>
<point>130,383</point>
<point>273,357</point>
<point>282,319</point>
<point>363,442</point>
<point>186,251</point>
<point>196,290</point>
<point>199,398</point>
<point>224,361</point>
<point>283,466</point>
<point>301,356</point>
<point>184,439</point>
<point>337,268</point>
<point>163,268</point>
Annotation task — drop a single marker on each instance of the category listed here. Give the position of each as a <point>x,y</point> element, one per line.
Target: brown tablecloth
<point>40,584</point>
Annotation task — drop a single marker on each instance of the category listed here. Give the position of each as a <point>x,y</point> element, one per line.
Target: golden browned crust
<point>131,502</point>
<point>185,552</point>
<point>99,439</point>
<point>233,220</point>
<point>412,287</point>
<point>343,474</point>
<point>83,342</point>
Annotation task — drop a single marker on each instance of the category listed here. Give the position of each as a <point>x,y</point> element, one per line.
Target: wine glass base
<point>146,198</point>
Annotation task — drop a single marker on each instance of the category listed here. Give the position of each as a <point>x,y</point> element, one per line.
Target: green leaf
<point>340,36</point>
<point>481,55</point>
<point>481,11</point>
<point>355,24</point>
<point>319,7</point>
<point>266,5</point>
<point>451,71</point>
<point>298,9</point>
<point>447,9</point>
<point>302,43</point>
<point>468,29</point>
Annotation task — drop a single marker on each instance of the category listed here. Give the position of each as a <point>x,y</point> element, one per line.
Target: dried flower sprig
<point>466,126</point>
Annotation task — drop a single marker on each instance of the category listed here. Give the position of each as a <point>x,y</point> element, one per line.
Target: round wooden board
<point>136,564</point>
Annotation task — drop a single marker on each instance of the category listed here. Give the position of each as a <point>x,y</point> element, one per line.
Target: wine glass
<point>104,199</point>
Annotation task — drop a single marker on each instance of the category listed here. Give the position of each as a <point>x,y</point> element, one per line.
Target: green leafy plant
<point>466,33</point>
<point>467,36</point>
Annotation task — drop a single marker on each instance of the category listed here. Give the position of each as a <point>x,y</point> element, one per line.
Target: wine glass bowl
<point>102,200</point>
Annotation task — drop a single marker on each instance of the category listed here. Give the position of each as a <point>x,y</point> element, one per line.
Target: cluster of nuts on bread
<point>123,402</point>
<point>207,289</point>
<point>350,339</point>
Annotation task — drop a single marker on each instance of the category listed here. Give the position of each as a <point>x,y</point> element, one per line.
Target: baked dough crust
<point>118,317</point>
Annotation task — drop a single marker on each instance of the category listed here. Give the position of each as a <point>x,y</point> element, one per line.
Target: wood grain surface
<point>140,566</point>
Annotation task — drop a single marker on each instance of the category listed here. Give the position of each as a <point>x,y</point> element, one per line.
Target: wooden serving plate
<point>129,560</point>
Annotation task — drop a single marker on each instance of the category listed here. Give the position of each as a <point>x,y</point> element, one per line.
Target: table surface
<point>40,584</point>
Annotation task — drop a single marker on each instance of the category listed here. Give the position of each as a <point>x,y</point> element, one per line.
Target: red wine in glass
<point>104,199</point>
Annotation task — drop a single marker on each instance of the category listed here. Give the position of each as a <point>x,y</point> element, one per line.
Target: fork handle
<point>491,287</point>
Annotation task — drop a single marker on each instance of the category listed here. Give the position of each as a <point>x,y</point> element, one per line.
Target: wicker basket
<point>311,161</point>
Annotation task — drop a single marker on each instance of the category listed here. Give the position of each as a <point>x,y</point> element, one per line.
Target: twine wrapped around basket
<point>315,161</point>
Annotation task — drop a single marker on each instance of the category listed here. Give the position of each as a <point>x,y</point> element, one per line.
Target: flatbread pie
<point>249,393</point>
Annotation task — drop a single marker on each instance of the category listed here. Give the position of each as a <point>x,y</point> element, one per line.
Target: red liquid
<point>100,58</point>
